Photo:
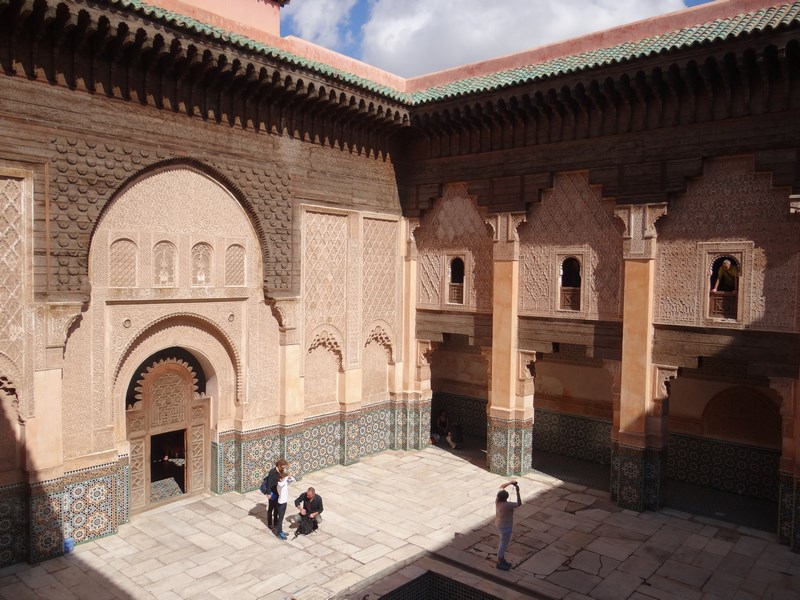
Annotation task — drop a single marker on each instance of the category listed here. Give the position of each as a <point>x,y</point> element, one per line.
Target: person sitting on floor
<point>310,505</point>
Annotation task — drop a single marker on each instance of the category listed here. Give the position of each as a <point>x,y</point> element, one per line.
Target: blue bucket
<point>69,544</point>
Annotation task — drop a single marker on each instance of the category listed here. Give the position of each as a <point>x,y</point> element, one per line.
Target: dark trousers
<point>281,513</point>
<point>272,510</point>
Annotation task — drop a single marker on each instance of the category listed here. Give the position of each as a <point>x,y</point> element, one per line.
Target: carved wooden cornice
<point>129,55</point>
<point>641,128</point>
<point>732,79</point>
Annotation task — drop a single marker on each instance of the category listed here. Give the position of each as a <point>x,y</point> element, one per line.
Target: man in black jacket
<point>310,505</point>
<point>281,466</point>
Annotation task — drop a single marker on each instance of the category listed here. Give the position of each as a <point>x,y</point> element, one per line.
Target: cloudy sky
<point>413,37</point>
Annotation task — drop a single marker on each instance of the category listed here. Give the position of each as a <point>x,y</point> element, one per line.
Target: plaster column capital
<point>504,234</point>
<point>639,238</point>
<point>285,311</point>
<point>412,224</point>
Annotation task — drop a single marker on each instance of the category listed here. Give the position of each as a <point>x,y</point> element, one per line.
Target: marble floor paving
<point>397,515</point>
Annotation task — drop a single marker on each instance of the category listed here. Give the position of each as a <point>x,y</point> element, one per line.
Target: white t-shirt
<point>283,489</point>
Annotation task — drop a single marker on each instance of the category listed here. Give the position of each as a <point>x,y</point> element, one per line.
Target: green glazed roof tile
<point>242,41</point>
<point>772,17</point>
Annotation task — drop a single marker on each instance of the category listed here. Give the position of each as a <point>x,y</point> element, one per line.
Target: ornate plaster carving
<point>572,218</point>
<point>379,335</point>
<point>329,339</point>
<point>748,221</point>
<point>638,240</point>
<point>526,365</point>
<point>183,320</point>
<point>455,226</point>
<point>424,353</point>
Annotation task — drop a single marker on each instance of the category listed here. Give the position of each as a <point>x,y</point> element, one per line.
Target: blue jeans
<point>505,538</point>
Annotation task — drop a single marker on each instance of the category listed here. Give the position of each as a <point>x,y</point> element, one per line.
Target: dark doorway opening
<point>168,465</point>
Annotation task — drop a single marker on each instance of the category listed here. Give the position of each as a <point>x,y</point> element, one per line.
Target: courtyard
<point>396,515</point>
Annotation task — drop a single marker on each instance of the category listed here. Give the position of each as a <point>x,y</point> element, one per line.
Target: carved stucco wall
<point>571,220</point>
<point>731,208</point>
<point>16,363</point>
<point>381,279</point>
<point>325,271</point>
<point>375,379</point>
<point>351,296</point>
<point>183,209</point>
<point>321,382</point>
<point>9,427</point>
<point>454,227</point>
<point>85,174</point>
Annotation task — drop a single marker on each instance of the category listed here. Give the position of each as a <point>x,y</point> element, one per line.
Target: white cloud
<point>322,22</point>
<point>413,37</point>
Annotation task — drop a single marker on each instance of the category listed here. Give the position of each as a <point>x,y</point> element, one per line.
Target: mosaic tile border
<point>630,477</point>
<point>317,443</point>
<point>510,446</point>
<point>655,475</point>
<point>469,412</point>
<point>122,509</point>
<point>45,520</point>
<point>789,511</point>
<point>571,435</point>
<point>13,524</point>
<point>734,468</point>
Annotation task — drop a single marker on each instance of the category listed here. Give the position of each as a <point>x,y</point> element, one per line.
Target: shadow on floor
<point>723,506</point>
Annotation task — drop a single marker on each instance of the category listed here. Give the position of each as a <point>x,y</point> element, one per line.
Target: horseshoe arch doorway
<point>167,419</point>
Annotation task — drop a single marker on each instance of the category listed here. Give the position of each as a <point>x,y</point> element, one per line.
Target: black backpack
<point>307,525</point>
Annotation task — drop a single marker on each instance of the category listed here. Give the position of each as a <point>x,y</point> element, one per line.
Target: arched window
<point>234,265</point>
<point>164,264</point>
<point>570,284</point>
<point>724,283</point>
<point>201,264</point>
<point>456,291</point>
<point>123,264</point>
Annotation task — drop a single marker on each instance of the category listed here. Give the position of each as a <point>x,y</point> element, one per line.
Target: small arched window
<point>164,257</point>
<point>123,263</point>
<point>724,282</point>
<point>456,291</point>
<point>201,264</point>
<point>570,284</point>
<point>234,265</point>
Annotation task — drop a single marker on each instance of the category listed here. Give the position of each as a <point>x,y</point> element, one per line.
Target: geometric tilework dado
<point>468,412</point>
<point>13,534</point>
<point>734,468</point>
<point>241,460</point>
<point>509,444</point>
<point>568,435</point>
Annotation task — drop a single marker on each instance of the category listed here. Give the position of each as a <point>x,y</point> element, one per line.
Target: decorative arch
<point>379,333</point>
<point>330,338</point>
<point>743,414</point>
<point>10,421</point>
<point>158,365</point>
<point>174,321</point>
<point>196,166</point>
<point>10,376</point>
